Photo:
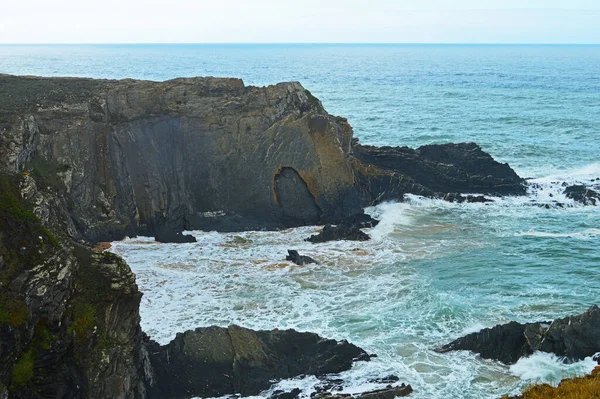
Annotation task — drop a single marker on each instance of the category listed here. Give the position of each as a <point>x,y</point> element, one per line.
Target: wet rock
<point>170,236</point>
<point>293,394</point>
<point>218,361</point>
<point>298,259</point>
<point>458,198</point>
<point>339,232</point>
<point>573,337</point>
<point>388,173</point>
<point>582,194</point>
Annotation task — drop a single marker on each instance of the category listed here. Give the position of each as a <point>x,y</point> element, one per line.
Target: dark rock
<point>339,232</point>
<point>582,194</point>
<point>298,259</point>
<point>217,361</point>
<point>455,197</point>
<point>293,394</point>
<point>387,173</point>
<point>170,236</point>
<point>573,337</point>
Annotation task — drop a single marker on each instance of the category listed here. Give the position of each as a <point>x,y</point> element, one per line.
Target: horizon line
<point>308,43</point>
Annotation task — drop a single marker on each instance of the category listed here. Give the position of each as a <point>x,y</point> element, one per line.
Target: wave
<point>549,368</point>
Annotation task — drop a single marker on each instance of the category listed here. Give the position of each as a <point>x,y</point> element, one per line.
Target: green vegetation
<point>12,206</point>
<point>50,236</point>
<point>22,372</point>
<point>84,316</point>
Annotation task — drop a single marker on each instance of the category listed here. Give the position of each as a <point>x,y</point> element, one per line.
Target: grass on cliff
<point>587,387</point>
<point>23,239</point>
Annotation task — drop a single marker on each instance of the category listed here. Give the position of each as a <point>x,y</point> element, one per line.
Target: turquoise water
<point>433,270</point>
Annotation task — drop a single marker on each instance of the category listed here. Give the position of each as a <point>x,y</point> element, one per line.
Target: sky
<point>300,21</point>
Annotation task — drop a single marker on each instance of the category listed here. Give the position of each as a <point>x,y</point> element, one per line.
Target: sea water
<point>433,271</point>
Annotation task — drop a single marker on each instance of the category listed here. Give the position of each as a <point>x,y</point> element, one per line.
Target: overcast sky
<point>306,21</point>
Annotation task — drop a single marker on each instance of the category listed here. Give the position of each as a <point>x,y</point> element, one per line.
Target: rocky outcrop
<point>216,361</point>
<point>573,337</point>
<point>298,259</point>
<point>135,156</point>
<point>339,232</point>
<point>138,157</point>
<point>387,173</point>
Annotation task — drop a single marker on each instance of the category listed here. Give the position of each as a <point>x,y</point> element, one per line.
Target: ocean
<point>434,270</point>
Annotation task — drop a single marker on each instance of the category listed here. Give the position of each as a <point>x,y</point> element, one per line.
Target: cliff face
<point>69,319</point>
<point>137,156</point>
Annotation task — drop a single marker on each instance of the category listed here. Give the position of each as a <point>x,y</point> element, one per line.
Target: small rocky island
<point>84,161</point>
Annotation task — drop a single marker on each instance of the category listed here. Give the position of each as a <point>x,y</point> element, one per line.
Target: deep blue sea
<point>433,271</point>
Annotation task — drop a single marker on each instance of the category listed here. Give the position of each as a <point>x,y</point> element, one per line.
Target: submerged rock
<point>217,361</point>
<point>573,337</point>
<point>339,232</point>
<point>298,259</point>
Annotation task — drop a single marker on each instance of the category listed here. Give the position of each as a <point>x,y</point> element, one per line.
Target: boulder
<point>298,259</point>
<point>339,232</point>
<point>573,338</point>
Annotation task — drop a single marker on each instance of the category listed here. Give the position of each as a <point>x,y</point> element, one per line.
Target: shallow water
<point>434,271</point>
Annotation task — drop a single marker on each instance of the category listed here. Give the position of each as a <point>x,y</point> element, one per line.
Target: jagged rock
<point>339,232</point>
<point>298,259</point>
<point>216,361</point>
<point>573,337</point>
<point>582,194</point>
<point>387,173</point>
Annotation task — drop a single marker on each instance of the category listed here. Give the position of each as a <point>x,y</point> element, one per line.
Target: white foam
<point>549,368</point>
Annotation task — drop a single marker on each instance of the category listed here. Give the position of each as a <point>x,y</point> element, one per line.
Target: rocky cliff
<point>134,156</point>
<point>138,157</point>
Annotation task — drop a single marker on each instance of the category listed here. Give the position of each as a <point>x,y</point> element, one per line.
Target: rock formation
<point>214,361</point>
<point>573,337</point>
<point>138,157</point>
<point>387,173</point>
<point>298,259</point>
